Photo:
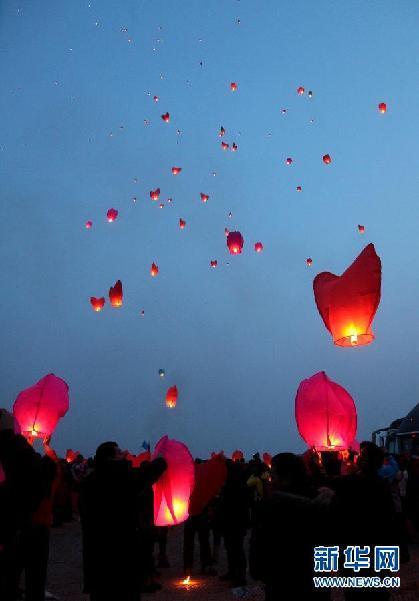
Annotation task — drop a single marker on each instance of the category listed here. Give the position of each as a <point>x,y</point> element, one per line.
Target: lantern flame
<point>187,581</point>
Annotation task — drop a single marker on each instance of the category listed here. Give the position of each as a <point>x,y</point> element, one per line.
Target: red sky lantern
<point>115,294</point>
<point>173,489</point>
<point>97,303</point>
<point>361,229</point>
<point>382,107</point>
<point>89,224</point>
<point>234,147</point>
<point>176,170</point>
<point>237,456</point>
<point>161,205</point>
<point>154,270</point>
<point>288,161</point>
<point>327,159</point>
<point>299,189</point>
<point>214,263</point>
<point>155,98</point>
<point>258,247</point>
<point>182,224</point>
<point>222,132</point>
<point>224,146</point>
<point>166,117</point>
<point>267,459</point>
<point>171,397</point>
<point>204,197</point>
<point>325,414</point>
<point>348,303</point>
<point>209,479</point>
<point>38,408</point>
<point>309,261</point>
<point>111,215</point>
<point>233,86</point>
<point>235,243</point>
<point>300,91</point>
<point>154,194</point>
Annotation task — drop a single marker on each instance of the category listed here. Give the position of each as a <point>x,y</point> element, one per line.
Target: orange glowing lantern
<point>89,224</point>
<point>300,91</point>
<point>97,303</point>
<point>154,194</point>
<point>233,86</point>
<point>235,243</point>
<point>309,261</point>
<point>224,146</point>
<point>348,303</point>
<point>115,294</point>
<point>382,107</point>
<point>204,197</point>
<point>258,247</point>
<point>176,170</point>
<point>173,489</point>
<point>325,414</point>
<point>171,397</point>
<point>361,229</point>
<point>182,224</point>
<point>111,215</point>
<point>237,456</point>
<point>288,161</point>
<point>214,263</point>
<point>327,159</point>
<point>38,409</point>
<point>154,270</point>
<point>166,117</point>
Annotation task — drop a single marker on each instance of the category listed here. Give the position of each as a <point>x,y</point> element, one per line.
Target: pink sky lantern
<point>325,414</point>
<point>38,408</point>
<point>111,215</point>
<point>209,479</point>
<point>173,490</point>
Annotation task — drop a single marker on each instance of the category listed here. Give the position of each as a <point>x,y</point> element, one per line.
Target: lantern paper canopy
<point>182,224</point>
<point>174,488</point>
<point>166,117</point>
<point>237,455</point>
<point>214,263</point>
<point>224,145</point>
<point>209,479</point>
<point>361,229</point>
<point>154,194</point>
<point>325,414</point>
<point>204,197</point>
<point>162,373</point>
<point>176,170</point>
<point>97,303</point>
<point>267,459</point>
<point>116,295</point>
<point>309,261</point>
<point>171,397</point>
<point>222,132</point>
<point>233,86</point>
<point>258,247</point>
<point>382,107</point>
<point>288,161</point>
<point>154,270</point>
<point>300,91</point>
<point>234,147</point>
<point>347,303</point>
<point>88,225</point>
<point>235,243</point>
<point>111,215</point>
<point>327,159</point>
<point>38,408</point>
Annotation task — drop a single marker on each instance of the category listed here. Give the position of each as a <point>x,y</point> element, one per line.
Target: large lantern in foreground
<point>325,414</point>
<point>173,490</point>
<point>347,303</point>
<point>235,243</point>
<point>38,408</point>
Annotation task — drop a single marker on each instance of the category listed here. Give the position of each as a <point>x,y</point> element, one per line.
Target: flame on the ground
<point>186,581</point>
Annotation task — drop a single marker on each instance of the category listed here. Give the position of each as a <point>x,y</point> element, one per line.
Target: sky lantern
<point>224,146</point>
<point>182,224</point>
<point>209,480</point>
<point>361,229</point>
<point>174,488</point>
<point>88,224</point>
<point>234,147</point>
<point>327,159</point>
<point>222,132</point>
<point>300,91</point>
<point>382,107</point>
<point>226,231</point>
<point>233,86</point>
<point>171,397</point>
<point>310,94</point>
<point>288,161</point>
<point>267,459</point>
<point>111,215</point>
<point>309,261</point>
<point>166,117</point>
<point>176,170</point>
<point>235,243</point>
<point>299,189</point>
<point>142,312</point>
<point>97,303</point>
<point>115,294</point>
<point>38,408</point>
<point>237,456</point>
<point>155,98</point>
<point>214,263</point>
<point>325,414</point>
<point>258,247</point>
<point>154,270</point>
<point>348,303</point>
<point>162,373</point>
<point>204,197</point>
<point>154,194</point>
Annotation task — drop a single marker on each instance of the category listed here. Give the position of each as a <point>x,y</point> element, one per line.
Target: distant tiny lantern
<point>154,194</point>
<point>224,146</point>
<point>214,263</point>
<point>222,132</point>
<point>155,98</point>
<point>97,303</point>
<point>283,111</point>
<point>116,295</point>
<point>237,456</point>
<point>154,270</point>
<point>204,197</point>
<point>111,215</point>
<point>361,229</point>
<point>234,147</point>
<point>300,91</point>
<point>235,243</point>
<point>176,170</point>
<point>327,159</point>
<point>309,261</point>
<point>325,414</point>
<point>310,94</point>
<point>348,303</point>
<point>258,247</point>
<point>267,459</point>
<point>162,373</point>
<point>288,161</point>
<point>226,231</point>
<point>89,224</point>
<point>182,224</point>
<point>166,117</point>
<point>382,107</point>
<point>299,189</point>
<point>233,86</point>
<point>171,397</point>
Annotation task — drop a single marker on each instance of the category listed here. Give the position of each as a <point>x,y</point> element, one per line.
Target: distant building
<point>402,435</point>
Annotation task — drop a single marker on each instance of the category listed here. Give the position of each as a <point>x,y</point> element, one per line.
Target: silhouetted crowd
<point>269,516</point>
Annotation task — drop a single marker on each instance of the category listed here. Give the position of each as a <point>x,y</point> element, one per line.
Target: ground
<point>65,573</point>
